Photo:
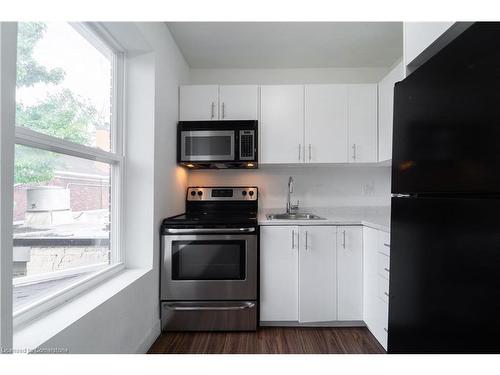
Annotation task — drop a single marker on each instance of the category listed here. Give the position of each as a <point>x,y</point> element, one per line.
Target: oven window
<point>208,260</point>
<point>208,145</point>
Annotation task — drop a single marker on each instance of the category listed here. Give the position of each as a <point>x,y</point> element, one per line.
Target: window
<point>68,161</point>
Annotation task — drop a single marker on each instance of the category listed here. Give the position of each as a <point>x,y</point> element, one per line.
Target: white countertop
<point>377,217</point>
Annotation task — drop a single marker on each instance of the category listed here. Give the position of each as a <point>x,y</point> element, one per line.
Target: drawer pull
<point>386,331</point>
<point>387,294</point>
<point>387,245</point>
<point>386,269</point>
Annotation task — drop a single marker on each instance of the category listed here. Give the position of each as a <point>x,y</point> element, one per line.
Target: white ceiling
<point>289,44</point>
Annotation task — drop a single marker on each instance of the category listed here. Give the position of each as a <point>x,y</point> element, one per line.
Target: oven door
<point>207,145</point>
<point>209,267</point>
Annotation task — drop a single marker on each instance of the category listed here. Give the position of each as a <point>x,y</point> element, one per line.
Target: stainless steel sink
<point>295,216</point>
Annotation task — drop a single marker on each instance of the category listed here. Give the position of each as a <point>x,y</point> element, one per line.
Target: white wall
<point>8,37</point>
<point>315,186</point>
<point>131,318</point>
<point>286,76</point>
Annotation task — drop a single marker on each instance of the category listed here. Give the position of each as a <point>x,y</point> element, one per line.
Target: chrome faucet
<point>289,206</point>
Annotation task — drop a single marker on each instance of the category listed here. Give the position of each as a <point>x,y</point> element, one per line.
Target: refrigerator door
<point>444,276</point>
<point>447,119</point>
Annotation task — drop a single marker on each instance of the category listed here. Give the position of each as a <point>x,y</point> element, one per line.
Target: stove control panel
<point>222,193</point>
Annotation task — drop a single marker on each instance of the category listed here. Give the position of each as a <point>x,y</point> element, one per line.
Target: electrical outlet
<point>369,188</point>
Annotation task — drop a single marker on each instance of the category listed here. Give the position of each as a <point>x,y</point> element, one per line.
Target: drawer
<point>383,289</point>
<point>384,245</point>
<point>384,320</point>
<point>383,265</point>
<point>209,316</point>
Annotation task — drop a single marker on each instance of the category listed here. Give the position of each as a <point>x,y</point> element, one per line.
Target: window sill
<point>34,333</point>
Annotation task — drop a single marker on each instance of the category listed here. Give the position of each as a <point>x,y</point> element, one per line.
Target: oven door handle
<point>179,306</point>
<point>209,230</point>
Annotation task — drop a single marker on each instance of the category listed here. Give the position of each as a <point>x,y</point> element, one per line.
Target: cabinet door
<point>350,273</point>
<point>279,249</point>
<point>239,102</point>
<point>199,103</point>
<point>420,35</point>
<point>386,111</point>
<point>317,274</point>
<point>326,123</point>
<point>363,123</point>
<point>282,124</point>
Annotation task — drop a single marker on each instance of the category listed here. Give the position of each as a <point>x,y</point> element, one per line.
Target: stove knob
<point>200,193</point>
<point>244,192</point>
<point>250,192</point>
<point>193,193</point>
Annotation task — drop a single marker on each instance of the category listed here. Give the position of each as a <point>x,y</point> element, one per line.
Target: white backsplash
<point>315,186</point>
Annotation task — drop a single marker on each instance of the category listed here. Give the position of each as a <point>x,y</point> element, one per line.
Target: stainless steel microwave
<point>217,144</point>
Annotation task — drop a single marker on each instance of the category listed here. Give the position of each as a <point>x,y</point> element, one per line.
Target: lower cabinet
<point>279,273</point>
<point>350,273</point>
<point>311,274</point>
<point>376,248</point>
<point>317,274</point>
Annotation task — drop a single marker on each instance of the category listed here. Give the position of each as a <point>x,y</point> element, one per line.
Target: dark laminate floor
<point>270,340</point>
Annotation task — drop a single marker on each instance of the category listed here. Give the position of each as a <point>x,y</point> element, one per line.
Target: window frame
<point>94,34</point>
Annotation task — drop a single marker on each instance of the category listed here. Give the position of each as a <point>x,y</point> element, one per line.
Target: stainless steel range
<point>209,261</point>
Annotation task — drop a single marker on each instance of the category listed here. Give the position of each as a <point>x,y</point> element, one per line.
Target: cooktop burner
<point>217,206</point>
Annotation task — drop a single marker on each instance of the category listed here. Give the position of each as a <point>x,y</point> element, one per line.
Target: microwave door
<point>207,145</point>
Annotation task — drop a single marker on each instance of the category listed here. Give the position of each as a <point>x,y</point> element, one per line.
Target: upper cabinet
<point>199,103</point>
<point>282,124</point>
<point>331,123</point>
<point>213,102</point>
<point>386,111</point>
<point>239,102</point>
<point>362,123</point>
<point>418,36</point>
<point>326,123</point>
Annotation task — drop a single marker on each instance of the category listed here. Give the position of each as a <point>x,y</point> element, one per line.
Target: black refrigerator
<point>445,217</point>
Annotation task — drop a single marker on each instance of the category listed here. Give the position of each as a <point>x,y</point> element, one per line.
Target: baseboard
<point>150,338</point>
<point>336,323</point>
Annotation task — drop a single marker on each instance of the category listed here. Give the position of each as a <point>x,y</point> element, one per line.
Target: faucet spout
<point>289,206</point>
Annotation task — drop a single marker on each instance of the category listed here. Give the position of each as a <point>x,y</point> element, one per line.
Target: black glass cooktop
<point>207,219</point>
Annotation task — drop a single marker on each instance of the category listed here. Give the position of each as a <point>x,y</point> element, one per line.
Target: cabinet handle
<point>299,151</point>
<point>223,110</point>
<point>386,331</point>
<point>387,294</point>
<point>354,151</point>
<point>343,243</point>
<point>386,269</point>
<point>293,239</point>
<point>310,152</point>
<point>307,246</point>
<point>213,110</point>
<point>387,245</point>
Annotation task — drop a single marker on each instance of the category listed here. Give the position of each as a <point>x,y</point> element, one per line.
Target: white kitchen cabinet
<point>420,35</point>
<point>375,283</point>
<point>386,111</point>
<point>326,123</point>
<point>238,102</point>
<point>282,124</point>
<point>317,274</point>
<point>362,114</point>
<point>199,103</point>
<point>350,272</point>
<point>279,249</point>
